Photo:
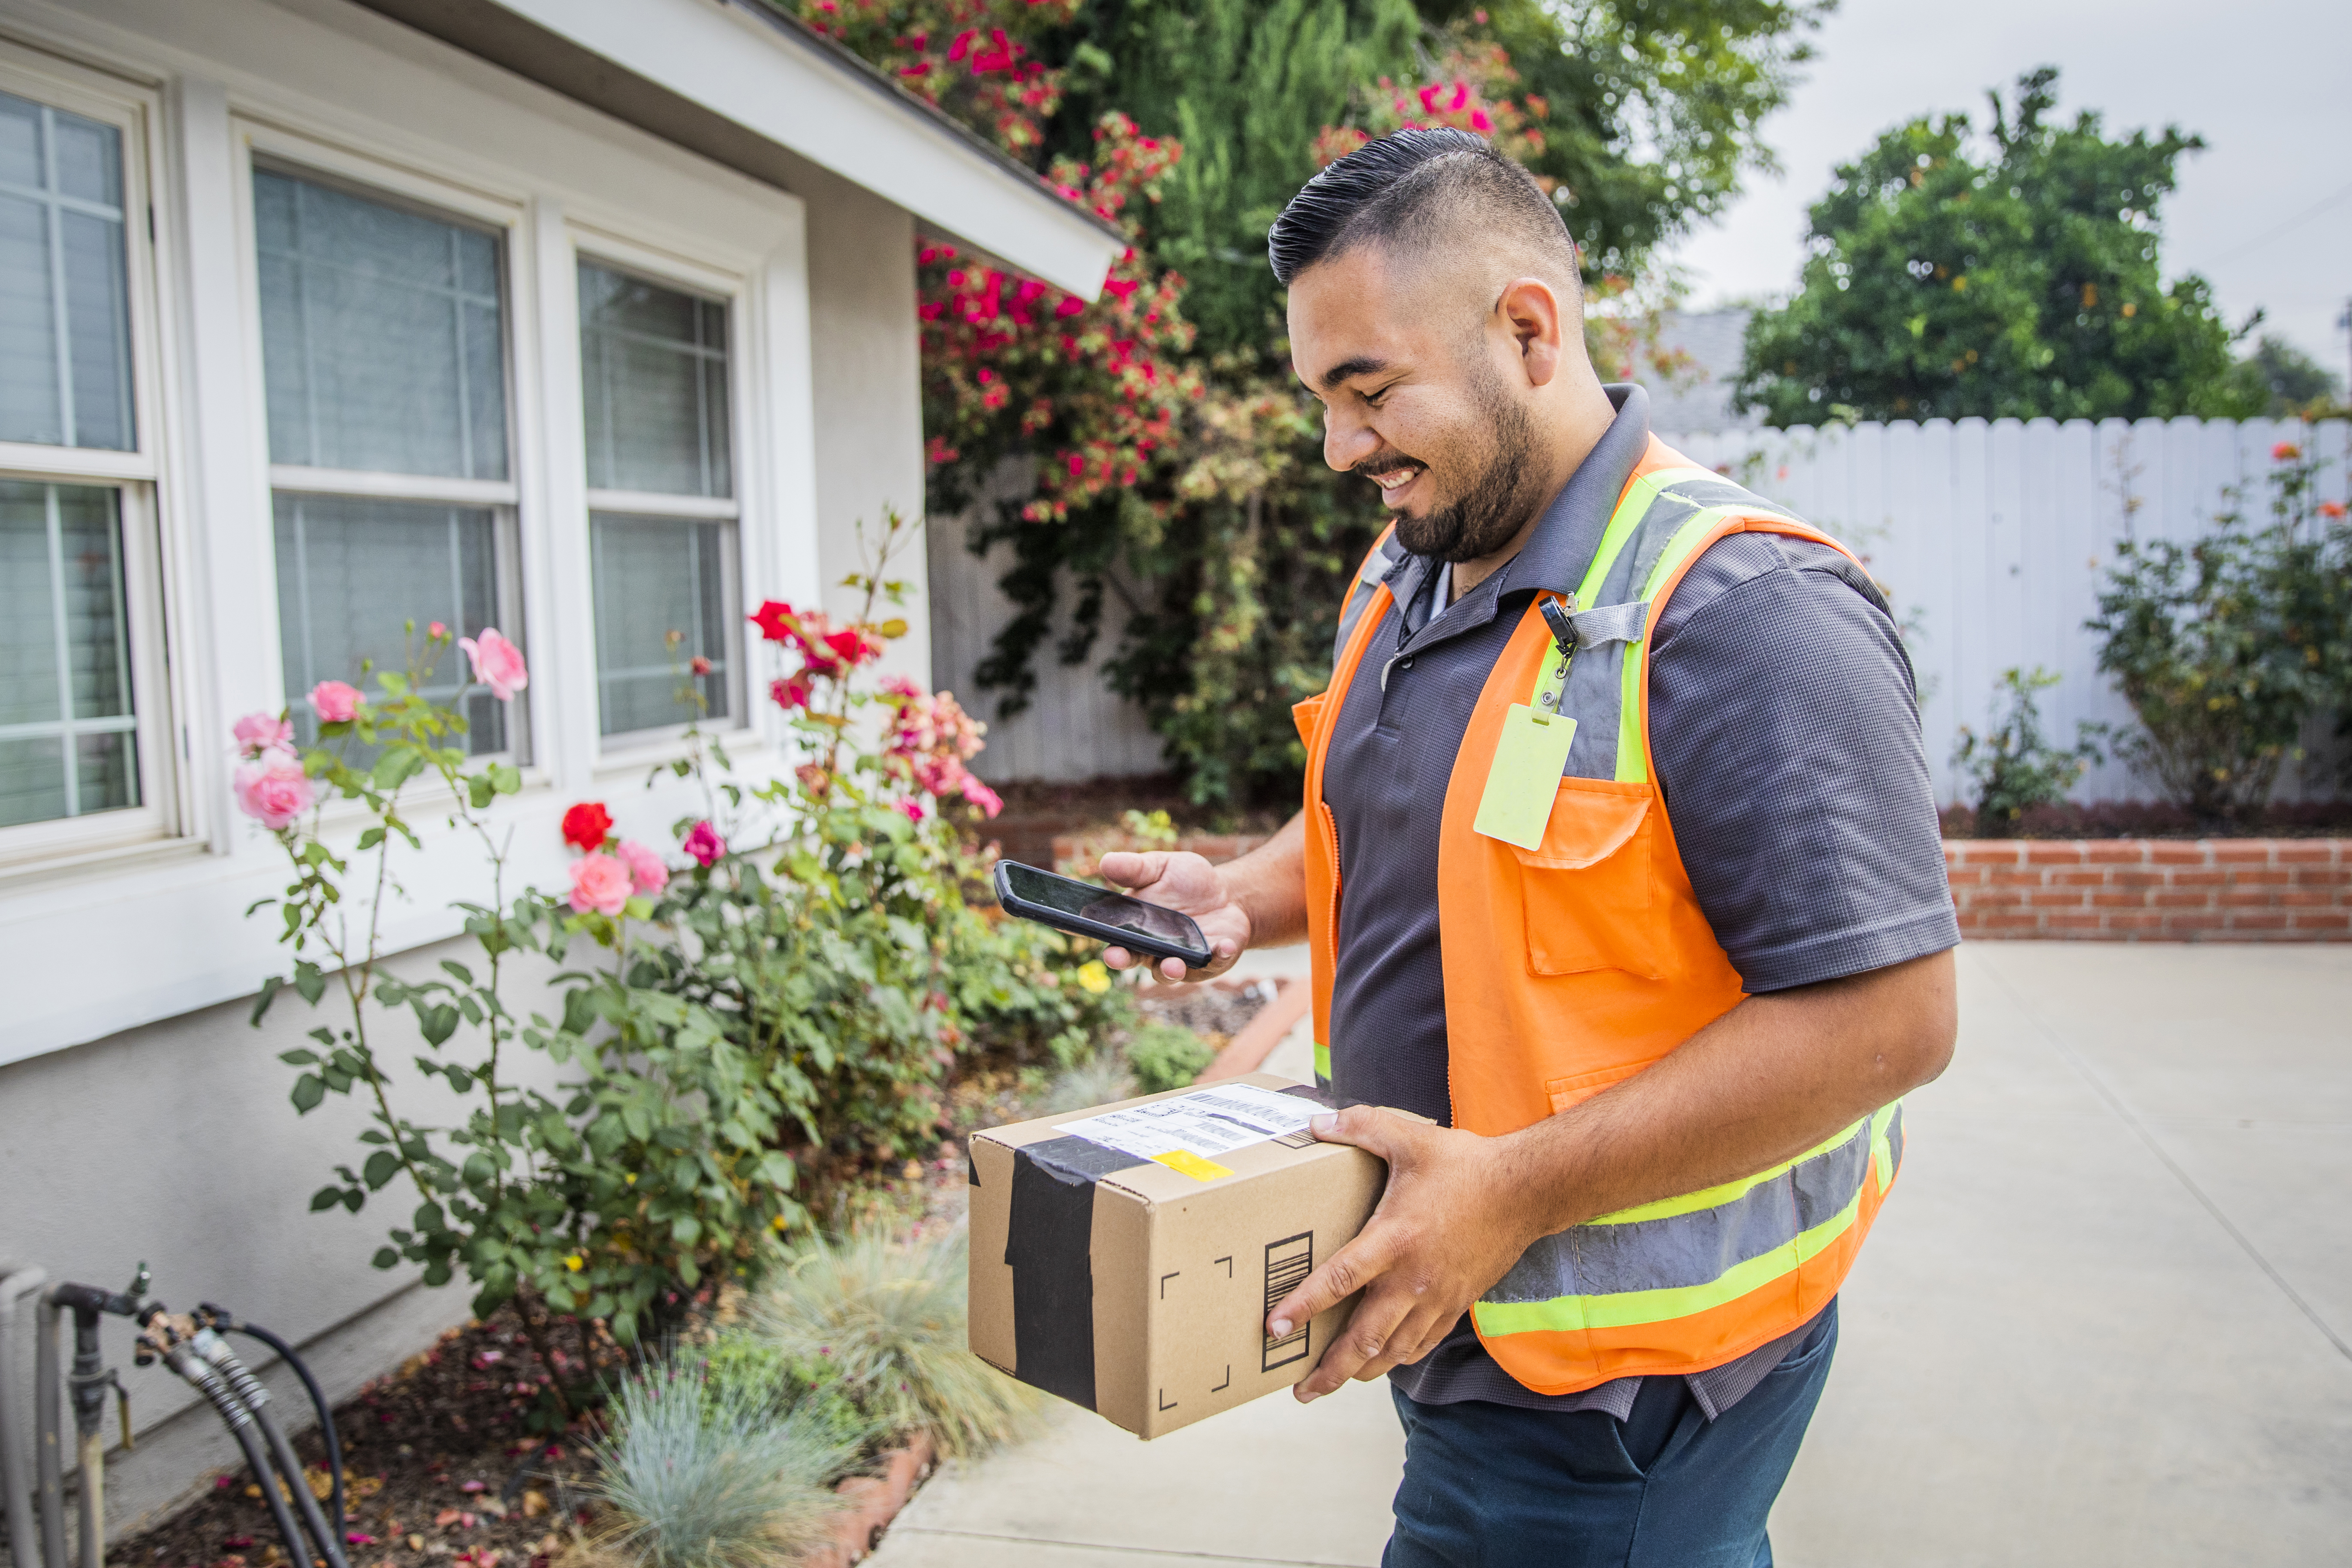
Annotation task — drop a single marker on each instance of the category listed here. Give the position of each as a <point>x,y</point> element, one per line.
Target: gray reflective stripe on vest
<point>1694,1249</point>
<point>1368,577</point>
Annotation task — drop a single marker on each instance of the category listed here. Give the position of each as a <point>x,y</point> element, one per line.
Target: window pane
<point>654,365</point>
<point>381,336</point>
<point>656,575</point>
<point>64,658</point>
<point>350,572</point>
<point>62,279</point>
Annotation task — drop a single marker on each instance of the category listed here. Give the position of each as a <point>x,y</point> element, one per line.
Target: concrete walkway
<point>2105,1319</point>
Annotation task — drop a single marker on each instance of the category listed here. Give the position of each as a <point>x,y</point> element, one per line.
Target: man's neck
<point>1588,420</point>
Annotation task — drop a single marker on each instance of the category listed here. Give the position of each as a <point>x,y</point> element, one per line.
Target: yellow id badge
<point>1524,779</point>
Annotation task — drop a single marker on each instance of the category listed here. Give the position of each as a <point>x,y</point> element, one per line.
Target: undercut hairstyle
<point>1418,194</point>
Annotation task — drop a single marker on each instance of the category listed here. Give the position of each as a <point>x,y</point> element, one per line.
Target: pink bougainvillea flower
<point>702,844</point>
<point>272,788</point>
<point>335,700</point>
<point>2286,452</point>
<point>793,692</point>
<point>646,867</point>
<point>587,826</point>
<point>257,733</point>
<point>601,883</point>
<point>498,663</point>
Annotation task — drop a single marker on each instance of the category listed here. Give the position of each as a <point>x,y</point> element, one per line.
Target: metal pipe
<point>23,1541</point>
<point>209,1344</point>
<point>49,1459</point>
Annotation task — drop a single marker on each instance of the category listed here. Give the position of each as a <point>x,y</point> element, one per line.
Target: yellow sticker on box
<point>1191,1165</point>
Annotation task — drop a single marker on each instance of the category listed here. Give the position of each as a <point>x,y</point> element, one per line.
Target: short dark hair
<point>1415,190</point>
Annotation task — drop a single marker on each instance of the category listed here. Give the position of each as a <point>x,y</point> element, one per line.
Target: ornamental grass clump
<point>701,1472</point>
<point>887,1318</point>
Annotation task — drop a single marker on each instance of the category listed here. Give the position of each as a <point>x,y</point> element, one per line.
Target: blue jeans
<point>1487,1486</point>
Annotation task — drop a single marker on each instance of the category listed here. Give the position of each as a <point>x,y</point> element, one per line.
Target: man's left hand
<point>1443,1232</point>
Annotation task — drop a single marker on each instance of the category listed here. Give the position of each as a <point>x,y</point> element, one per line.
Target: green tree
<point>2011,275</point>
<point>2296,382</point>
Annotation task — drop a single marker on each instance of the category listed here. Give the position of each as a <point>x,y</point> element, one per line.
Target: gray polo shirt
<point>1785,733</point>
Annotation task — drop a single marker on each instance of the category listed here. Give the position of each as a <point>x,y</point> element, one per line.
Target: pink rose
<point>498,663</point>
<point>646,867</point>
<point>257,733</point>
<point>437,631</point>
<point>335,702</point>
<point>599,882</point>
<point>273,789</point>
<point>702,844</point>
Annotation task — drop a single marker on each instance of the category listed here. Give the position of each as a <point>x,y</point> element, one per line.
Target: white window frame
<point>135,478</point>
<point>600,247</point>
<point>266,146</point>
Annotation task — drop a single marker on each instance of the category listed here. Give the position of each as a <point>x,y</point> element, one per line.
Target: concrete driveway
<point>2104,1319</point>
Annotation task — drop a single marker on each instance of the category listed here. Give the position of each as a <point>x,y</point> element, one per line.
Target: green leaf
<point>436,1273</point>
<point>310,981</point>
<point>396,766</point>
<point>638,907</point>
<point>325,1198</point>
<point>386,1258</point>
<point>506,778</point>
<point>298,1057</point>
<point>437,1024</point>
<point>461,1080</point>
<point>578,1012</point>
<point>269,990</point>
<point>370,839</point>
<point>480,790</point>
<point>382,1166</point>
<point>309,1091</point>
<point>465,976</point>
<point>354,1200</point>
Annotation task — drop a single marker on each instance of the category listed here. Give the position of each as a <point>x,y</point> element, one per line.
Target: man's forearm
<point>1270,885</point>
<point>1765,1082</point>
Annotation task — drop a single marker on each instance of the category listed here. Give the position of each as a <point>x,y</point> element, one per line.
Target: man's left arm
<point>1765,1082</point>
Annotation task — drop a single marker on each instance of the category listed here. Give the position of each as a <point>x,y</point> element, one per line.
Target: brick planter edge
<point>2152,890</point>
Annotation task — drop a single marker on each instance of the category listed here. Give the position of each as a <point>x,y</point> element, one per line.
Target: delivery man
<point>1619,863</point>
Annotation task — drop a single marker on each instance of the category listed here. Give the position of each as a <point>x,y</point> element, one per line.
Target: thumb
<point>1128,868</point>
<point>1367,1127</point>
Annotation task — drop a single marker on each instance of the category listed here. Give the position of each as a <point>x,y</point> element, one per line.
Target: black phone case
<point>1079,925</point>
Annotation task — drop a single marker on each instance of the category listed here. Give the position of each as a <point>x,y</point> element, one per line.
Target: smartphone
<point>1082,908</point>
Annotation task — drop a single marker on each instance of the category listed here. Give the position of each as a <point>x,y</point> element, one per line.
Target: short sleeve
<point>1784,731</point>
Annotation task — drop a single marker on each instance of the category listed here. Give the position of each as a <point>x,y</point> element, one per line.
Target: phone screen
<point>1090,902</point>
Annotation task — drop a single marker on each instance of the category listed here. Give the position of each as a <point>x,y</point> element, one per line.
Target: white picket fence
<point>1992,538</point>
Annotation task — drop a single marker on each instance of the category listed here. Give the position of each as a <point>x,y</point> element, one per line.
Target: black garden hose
<point>229,1322</point>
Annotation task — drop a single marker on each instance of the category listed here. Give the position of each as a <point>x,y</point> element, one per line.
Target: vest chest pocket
<point>1589,888</point>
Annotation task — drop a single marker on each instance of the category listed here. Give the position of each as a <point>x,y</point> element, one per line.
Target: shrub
<point>888,1318</point>
<point>702,1473</point>
<point>1098,1081</point>
<point>1167,1056</point>
<point>2014,767</point>
<point>2225,646</point>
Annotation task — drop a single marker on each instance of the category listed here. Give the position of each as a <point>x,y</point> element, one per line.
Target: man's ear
<point>1537,321</point>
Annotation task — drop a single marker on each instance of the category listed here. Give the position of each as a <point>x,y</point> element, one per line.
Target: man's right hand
<point>1180,879</point>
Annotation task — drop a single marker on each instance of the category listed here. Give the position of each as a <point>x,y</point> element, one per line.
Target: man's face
<point>1415,400</point>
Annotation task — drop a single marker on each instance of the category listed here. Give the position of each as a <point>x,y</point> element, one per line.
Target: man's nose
<point>1347,440</point>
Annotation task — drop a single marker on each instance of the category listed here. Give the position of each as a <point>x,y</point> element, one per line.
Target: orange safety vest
<point>1577,964</point>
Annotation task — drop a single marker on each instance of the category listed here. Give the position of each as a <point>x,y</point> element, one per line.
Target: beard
<point>1502,492</point>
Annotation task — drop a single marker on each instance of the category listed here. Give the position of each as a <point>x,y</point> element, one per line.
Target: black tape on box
<point>1049,1248</point>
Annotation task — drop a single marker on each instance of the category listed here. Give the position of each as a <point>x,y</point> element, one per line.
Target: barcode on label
<point>1288,1262</point>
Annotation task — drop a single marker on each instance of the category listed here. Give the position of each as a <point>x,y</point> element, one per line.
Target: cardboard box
<point>1126,1257</point>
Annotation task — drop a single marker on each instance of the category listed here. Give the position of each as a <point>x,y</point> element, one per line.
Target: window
<point>655,397</point>
<point>383,357</point>
<point>65,309</point>
<point>79,647</point>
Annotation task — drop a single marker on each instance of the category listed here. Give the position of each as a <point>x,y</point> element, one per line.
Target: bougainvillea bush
<point>742,1023</point>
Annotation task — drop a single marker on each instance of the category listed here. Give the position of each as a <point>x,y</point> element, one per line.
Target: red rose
<point>587,826</point>
<point>775,621</point>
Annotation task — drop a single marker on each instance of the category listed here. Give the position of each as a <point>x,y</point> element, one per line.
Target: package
<point>1126,1257</point>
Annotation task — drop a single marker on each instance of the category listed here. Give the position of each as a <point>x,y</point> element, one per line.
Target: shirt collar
<point>1560,550</point>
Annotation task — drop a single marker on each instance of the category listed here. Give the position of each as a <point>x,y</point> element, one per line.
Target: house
<point>586,319</point>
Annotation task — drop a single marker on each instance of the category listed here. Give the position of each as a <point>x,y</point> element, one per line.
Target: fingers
<point>1358,1351</point>
<point>1367,1127</point>
<point>1131,868</point>
<point>1343,1274</point>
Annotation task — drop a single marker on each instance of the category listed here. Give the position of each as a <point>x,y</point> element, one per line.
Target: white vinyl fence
<point>1992,539</point>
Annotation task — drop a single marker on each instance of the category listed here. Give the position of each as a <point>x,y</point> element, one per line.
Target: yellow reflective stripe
<point>1881,1152</point>
<point>1568,1314</point>
<point>1727,1192</point>
<point>1631,509</point>
<point>1322,1061</point>
<point>1632,766</point>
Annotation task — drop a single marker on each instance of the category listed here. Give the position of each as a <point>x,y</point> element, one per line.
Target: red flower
<point>776,621</point>
<point>701,666</point>
<point>793,693</point>
<point>2332,510</point>
<point>587,826</point>
<point>2286,452</point>
<point>852,646</point>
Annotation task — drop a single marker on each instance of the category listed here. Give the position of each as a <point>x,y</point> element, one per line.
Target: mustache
<point>1387,460</point>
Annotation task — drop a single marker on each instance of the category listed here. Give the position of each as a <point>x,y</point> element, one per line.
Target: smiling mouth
<point>1396,479</point>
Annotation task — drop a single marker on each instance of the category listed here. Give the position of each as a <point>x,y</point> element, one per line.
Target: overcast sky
<point>2268,83</point>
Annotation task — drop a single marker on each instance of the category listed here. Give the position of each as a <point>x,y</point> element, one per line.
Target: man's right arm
<point>1256,901</point>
